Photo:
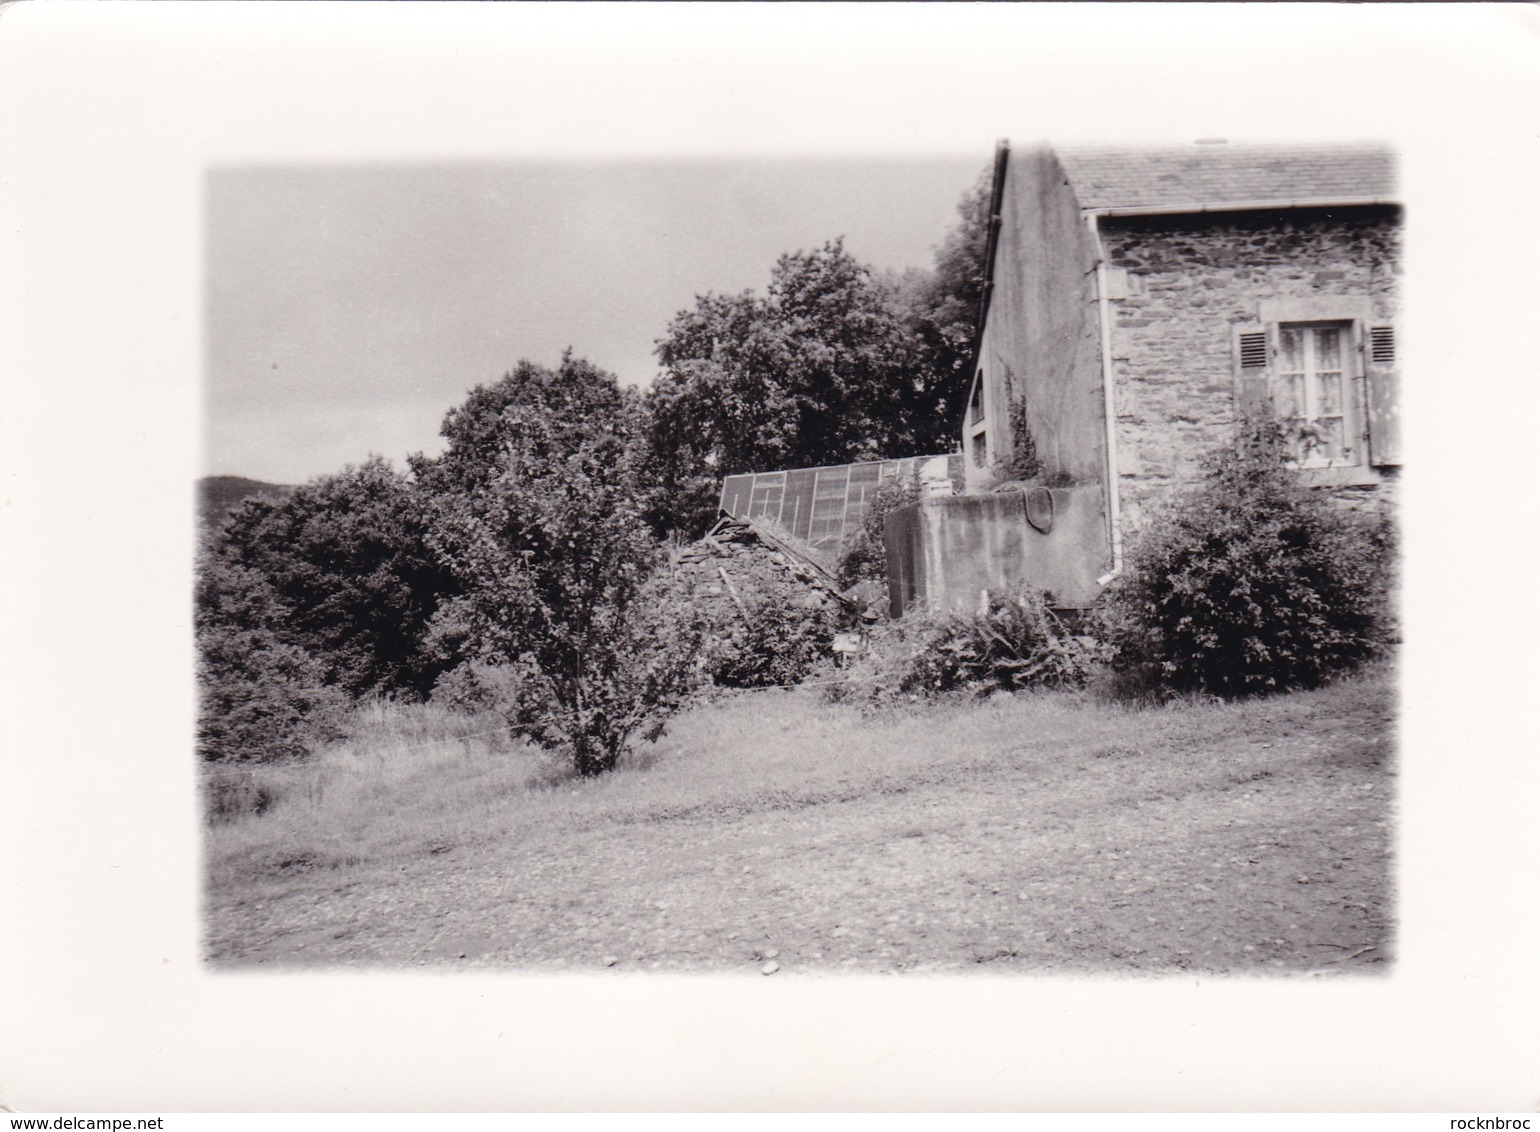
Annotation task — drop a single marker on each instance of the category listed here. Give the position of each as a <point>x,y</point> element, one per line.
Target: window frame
<point>1368,383</point>
<point>1352,407</point>
<point>978,424</point>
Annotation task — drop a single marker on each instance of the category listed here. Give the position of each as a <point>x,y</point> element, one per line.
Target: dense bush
<point>346,558</point>
<point>261,698</point>
<point>1016,643</point>
<point>1251,584</point>
<point>865,554</point>
<point>759,623</point>
<point>779,640</point>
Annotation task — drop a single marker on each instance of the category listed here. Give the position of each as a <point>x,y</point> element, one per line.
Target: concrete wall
<point>1189,282</point>
<point>1041,340</point>
<point>944,552</point>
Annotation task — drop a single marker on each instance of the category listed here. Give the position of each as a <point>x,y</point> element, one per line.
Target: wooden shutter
<point>1252,353</point>
<point>1383,394</point>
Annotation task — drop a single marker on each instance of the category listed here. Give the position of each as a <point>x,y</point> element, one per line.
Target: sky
<point>348,307</point>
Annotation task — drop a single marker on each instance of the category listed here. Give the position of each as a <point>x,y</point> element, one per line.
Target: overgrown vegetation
<point>768,629</point>
<point>864,557</point>
<point>264,697</point>
<point>1023,462</point>
<point>353,580</point>
<point>1016,643</point>
<point>406,780</point>
<point>1252,583</point>
<point>833,364</point>
<point>520,572</point>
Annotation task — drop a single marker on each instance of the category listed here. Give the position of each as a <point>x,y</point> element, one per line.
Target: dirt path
<point>1244,854</point>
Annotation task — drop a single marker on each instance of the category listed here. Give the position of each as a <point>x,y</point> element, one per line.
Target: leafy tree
<point>538,516</point>
<point>544,412</point>
<point>346,559</point>
<point>833,364</point>
<point>817,371</point>
<point>537,477</point>
<point>943,308</point>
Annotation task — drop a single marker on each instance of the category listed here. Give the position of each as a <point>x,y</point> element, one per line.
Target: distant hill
<point>220,495</point>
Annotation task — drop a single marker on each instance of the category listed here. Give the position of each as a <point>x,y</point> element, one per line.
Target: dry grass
<point>409,780</point>
<point>1036,831</point>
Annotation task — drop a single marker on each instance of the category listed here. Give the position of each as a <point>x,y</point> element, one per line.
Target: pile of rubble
<point>738,555</point>
<point>774,605</point>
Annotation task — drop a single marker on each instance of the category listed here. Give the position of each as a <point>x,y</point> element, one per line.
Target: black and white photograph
<point>1027,605</point>
<point>878,557</point>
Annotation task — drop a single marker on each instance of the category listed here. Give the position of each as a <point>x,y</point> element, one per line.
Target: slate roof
<point>1124,177</point>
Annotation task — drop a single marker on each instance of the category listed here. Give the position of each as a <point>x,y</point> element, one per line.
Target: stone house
<point>1139,303</point>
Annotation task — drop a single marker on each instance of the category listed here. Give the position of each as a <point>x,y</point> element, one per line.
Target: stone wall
<point>1186,283</point>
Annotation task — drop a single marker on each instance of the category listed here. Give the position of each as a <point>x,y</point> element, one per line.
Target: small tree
<point>626,685</point>
<point>1252,583</point>
<point>538,516</point>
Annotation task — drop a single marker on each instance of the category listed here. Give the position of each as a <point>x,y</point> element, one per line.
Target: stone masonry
<point>1189,281</point>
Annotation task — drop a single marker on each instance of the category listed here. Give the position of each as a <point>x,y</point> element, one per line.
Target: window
<point>976,433</point>
<point>1326,370</point>
<point>1313,395</point>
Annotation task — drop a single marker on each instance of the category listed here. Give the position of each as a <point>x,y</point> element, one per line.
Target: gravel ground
<point>1253,840</point>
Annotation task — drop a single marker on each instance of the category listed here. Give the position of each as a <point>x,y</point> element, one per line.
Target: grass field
<point>777,832</point>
